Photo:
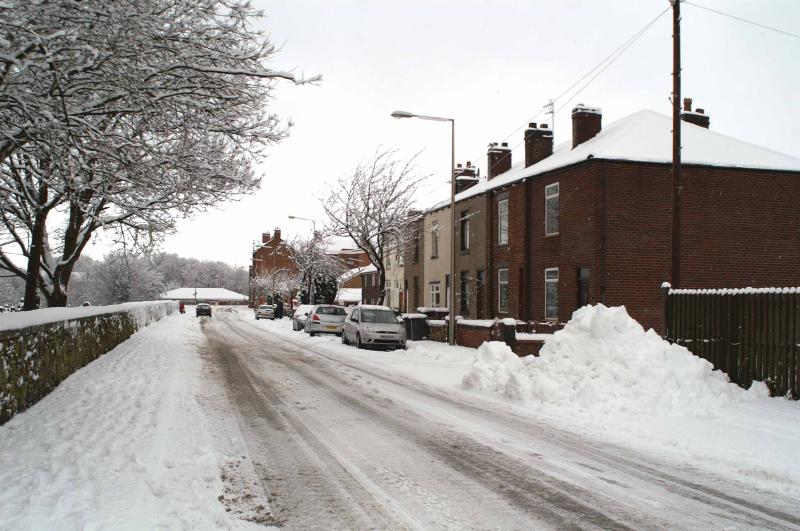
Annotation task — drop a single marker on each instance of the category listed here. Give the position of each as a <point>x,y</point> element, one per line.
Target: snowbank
<point>604,361</point>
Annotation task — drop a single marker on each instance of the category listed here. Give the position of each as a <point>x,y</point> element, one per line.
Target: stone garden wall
<point>37,355</point>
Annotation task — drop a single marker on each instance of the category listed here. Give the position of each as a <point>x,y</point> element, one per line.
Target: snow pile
<point>603,361</point>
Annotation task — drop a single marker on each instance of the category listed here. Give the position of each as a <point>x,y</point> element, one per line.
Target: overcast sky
<point>490,65</point>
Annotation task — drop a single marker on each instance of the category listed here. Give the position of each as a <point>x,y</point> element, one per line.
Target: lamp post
<point>311,294</point>
<point>451,326</point>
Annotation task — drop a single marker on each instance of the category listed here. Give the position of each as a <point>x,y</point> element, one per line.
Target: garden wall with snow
<point>40,348</point>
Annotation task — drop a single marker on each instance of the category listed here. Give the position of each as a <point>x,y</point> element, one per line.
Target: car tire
<point>256,318</point>
<point>312,334</point>
<point>294,325</point>
<point>358,340</point>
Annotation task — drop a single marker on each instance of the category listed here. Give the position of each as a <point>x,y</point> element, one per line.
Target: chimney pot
<point>538,144</point>
<point>586,124</point>
<point>498,160</point>
<point>701,111</point>
<point>458,165</point>
<point>687,104</point>
<point>469,164</point>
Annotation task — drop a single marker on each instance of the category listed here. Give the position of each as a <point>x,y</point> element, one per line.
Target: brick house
<point>371,285</point>
<point>272,254</point>
<point>590,221</point>
<point>414,264</point>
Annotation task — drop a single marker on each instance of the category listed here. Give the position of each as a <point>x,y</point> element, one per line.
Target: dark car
<point>203,309</point>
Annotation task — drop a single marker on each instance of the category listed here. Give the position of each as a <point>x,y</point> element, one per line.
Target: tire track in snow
<point>731,507</point>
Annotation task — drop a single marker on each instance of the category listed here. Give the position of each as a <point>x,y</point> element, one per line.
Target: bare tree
<point>371,207</point>
<point>124,116</point>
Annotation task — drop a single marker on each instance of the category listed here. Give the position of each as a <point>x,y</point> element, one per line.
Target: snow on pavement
<point>121,444</point>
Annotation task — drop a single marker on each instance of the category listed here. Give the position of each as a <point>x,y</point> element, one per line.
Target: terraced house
<point>589,220</point>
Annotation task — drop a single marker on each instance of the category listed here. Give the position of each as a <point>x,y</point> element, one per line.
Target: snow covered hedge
<point>39,349</point>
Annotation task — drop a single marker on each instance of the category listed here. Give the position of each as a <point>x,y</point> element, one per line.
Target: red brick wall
<point>739,228</point>
<point>577,244</point>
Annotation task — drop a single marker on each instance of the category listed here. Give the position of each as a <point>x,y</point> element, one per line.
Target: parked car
<point>325,319</point>
<point>265,311</point>
<point>203,309</point>
<point>300,315</point>
<point>374,326</point>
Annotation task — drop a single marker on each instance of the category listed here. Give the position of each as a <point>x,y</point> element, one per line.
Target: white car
<point>265,311</point>
<point>374,326</point>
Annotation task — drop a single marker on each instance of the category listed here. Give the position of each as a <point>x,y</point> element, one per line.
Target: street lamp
<point>311,294</point>
<point>451,326</point>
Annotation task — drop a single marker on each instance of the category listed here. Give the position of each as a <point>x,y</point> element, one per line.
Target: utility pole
<point>676,143</point>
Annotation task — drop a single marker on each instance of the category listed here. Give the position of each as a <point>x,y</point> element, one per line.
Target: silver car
<point>300,316</point>
<point>325,319</point>
<point>265,311</point>
<point>374,326</point>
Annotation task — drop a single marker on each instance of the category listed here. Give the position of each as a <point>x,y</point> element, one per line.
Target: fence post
<point>665,287</point>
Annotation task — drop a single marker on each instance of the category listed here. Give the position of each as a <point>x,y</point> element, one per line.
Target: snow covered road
<point>340,440</point>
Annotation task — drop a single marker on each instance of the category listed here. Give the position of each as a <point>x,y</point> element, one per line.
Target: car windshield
<point>264,307</point>
<point>330,310</point>
<point>377,316</point>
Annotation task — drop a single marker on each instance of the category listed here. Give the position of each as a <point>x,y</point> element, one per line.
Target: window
<point>502,290</point>
<point>583,286</point>
<point>502,222</point>
<point>447,290</point>
<point>465,230</point>
<point>479,292</point>
<point>551,293</point>
<point>551,209</point>
<point>435,239</point>
<point>435,294</point>
<point>464,292</point>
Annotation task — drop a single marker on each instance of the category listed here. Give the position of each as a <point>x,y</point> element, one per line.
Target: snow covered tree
<point>124,117</point>
<point>273,284</point>
<point>371,206</point>
<point>315,265</point>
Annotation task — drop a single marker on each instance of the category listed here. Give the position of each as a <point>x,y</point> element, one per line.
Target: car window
<point>354,316</point>
<point>330,310</point>
<point>378,316</point>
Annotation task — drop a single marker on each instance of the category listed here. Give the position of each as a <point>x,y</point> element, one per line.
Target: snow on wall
<point>731,291</point>
<point>40,348</point>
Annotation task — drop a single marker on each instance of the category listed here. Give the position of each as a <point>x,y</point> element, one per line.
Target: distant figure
<point>182,308</point>
<point>87,303</point>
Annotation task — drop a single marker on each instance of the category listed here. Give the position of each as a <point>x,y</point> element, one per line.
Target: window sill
<point>464,251</point>
<point>552,235</point>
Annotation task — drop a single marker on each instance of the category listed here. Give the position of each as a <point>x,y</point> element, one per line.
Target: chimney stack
<point>499,159</point>
<point>586,123</point>
<point>265,237</point>
<point>697,117</point>
<point>538,143</point>
<point>277,233</point>
<point>466,177</point>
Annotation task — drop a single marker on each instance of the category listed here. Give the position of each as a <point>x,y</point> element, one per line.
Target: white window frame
<point>502,222</point>
<point>435,294</point>
<point>500,284</point>
<point>548,282</point>
<point>551,193</point>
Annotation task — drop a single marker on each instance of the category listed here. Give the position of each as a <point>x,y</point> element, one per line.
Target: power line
<point>746,21</point>
<point>602,66</point>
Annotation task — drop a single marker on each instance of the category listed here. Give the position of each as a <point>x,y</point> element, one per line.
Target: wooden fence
<point>750,334</point>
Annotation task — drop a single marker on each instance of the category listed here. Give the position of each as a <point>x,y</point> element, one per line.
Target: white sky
<point>491,65</point>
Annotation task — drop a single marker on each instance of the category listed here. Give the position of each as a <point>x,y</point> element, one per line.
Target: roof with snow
<point>348,296</point>
<point>218,294</point>
<point>646,136</point>
<point>344,277</point>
